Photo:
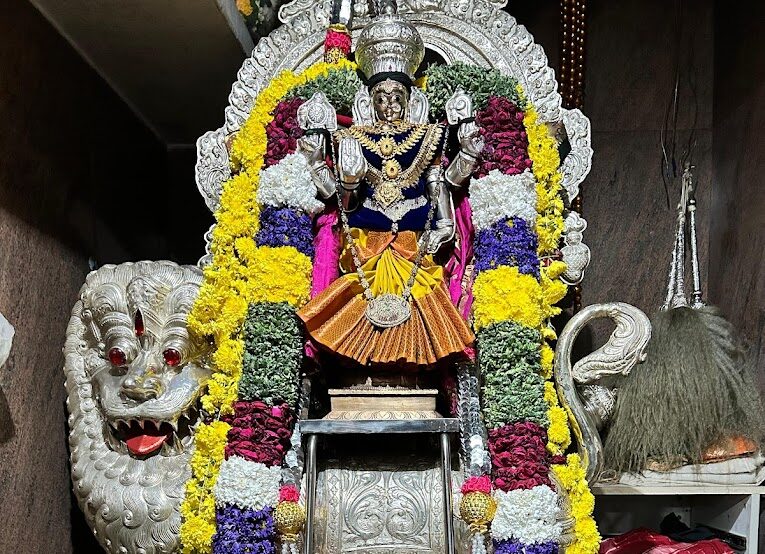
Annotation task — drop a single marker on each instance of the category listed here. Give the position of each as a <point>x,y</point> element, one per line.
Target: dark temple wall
<point>77,170</point>
<point>629,79</point>
<point>737,249</point>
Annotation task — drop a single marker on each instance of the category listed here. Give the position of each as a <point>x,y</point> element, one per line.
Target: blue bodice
<point>411,159</point>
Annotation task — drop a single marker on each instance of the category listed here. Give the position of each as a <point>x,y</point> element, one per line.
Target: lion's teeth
<point>177,444</point>
<point>166,450</point>
<point>114,424</point>
<point>174,425</point>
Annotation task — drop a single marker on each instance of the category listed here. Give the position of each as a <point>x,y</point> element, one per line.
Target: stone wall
<point>77,171</point>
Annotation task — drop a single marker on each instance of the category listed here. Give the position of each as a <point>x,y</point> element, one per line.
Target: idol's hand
<point>312,147</point>
<point>470,139</point>
<point>439,237</point>
<point>351,164</point>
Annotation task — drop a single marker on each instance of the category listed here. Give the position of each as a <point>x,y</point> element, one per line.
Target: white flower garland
<point>247,484</point>
<point>289,184</point>
<point>529,516</point>
<point>497,197</point>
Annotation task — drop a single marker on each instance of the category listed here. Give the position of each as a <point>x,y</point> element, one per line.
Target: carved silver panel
<point>472,31</point>
<point>624,349</point>
<point>212,168</point>
<point>374,506</point>
<point>578,163</point>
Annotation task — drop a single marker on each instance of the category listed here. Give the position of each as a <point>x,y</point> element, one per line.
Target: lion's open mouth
<point>146,437</point>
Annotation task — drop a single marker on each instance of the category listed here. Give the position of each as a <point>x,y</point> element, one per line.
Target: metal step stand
<point>313,428</point>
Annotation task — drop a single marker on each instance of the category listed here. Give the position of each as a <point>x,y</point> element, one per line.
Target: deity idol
<point>391,305</point>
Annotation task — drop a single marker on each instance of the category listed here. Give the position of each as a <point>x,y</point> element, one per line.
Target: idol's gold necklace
<point>386,146</point>
<point>391,178</point>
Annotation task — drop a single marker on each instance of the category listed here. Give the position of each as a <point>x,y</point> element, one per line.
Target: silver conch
<point>363,112</point>
<point>588,402</point>
<point>419,106</point>
<point>132,418</point>
<point>459,107</point>
<point>576,254</point>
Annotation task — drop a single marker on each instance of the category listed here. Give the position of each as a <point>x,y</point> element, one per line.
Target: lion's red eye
<point>117,357</point>
<point>172,357</point>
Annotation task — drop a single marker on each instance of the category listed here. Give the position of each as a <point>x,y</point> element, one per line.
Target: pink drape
<point>455,270</point>
<point>326,268</point>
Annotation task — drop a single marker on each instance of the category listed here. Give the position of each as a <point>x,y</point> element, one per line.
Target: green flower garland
<point>273,342</point>
<point>340,87</point>
<point>479,82</point>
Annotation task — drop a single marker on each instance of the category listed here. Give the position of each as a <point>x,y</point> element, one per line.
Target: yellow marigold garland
<point>545,158</point>
<point>572,477</point>
<point>505,294</point>
<point>198,507</point>
<point>558,434</point>
<point>543,151</point>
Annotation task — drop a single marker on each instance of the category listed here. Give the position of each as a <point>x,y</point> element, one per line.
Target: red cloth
<point>645,541</point>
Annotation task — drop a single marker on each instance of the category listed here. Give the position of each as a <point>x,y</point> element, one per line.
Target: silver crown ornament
<point>389,44</point>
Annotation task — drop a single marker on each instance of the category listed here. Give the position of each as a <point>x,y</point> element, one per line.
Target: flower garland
<point>573,479</point>
<point>260,273</point>
<point>519,224</point>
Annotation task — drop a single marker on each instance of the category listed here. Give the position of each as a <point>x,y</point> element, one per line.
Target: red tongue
<point>148,441</point>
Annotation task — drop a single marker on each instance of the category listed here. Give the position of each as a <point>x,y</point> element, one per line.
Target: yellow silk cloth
<point>387,263</point>
<point>335,318</point>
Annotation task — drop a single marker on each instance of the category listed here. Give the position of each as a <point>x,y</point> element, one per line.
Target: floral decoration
<point>517,547</point>
<point>260,432</point>
<point>261,271</point>
<point>273,353</point>
<point>527,515</point>
<point>443,80</point>
<point>506,143</point>
<point>511,242</point>
<point>247,484</point>
<point>283,131</point>
<point>245,531</point>
<point>519,457</point>
<point>269,275</point>
<point>517,211</point>
<point>288,184</point>
<point>496,197</point>
<point>573,479</point>
<point>286,227</point>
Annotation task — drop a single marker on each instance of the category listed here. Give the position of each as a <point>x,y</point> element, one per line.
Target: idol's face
<point>389,99</point>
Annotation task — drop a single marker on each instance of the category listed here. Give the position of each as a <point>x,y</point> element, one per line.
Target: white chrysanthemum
<point>247,484</point>
<point>288,184</point>
<point>497,197</point>
<point>530,516</point>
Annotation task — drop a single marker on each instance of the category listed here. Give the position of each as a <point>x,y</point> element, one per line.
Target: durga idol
<point>391,304</point>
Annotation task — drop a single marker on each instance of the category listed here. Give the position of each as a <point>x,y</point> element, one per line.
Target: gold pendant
<point>387,192</point>
<point>391,168</point>
<point>386,145</point>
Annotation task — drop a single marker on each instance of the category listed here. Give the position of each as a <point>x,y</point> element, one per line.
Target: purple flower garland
<point>515,547</point>
<point>511,243</point>
<point>244,531</point>
<point>285,227</point>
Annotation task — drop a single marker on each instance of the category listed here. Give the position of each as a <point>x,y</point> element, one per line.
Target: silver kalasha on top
<point>389,44</point>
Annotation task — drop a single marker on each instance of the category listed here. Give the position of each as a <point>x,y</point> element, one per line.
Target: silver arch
<point>472,31</point>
